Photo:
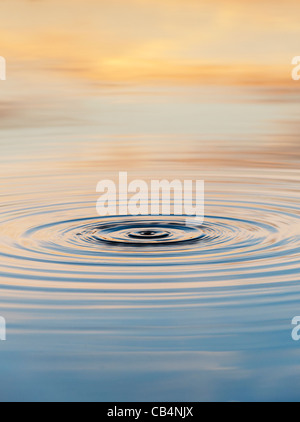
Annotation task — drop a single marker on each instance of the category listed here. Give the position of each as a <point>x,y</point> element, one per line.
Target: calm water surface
<point>93,314</point>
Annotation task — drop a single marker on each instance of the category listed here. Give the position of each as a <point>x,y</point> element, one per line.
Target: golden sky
<point>237,41</point>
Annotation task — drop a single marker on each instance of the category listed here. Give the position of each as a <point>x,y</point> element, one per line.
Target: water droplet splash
<point>140,231</point>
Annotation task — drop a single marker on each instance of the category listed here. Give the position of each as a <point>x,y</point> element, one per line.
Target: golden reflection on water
<point>205,315</point>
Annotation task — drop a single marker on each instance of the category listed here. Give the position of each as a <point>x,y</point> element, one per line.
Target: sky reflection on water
<point>208,320</point>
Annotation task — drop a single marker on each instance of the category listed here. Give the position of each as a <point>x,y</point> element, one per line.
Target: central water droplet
<point>148,234</point>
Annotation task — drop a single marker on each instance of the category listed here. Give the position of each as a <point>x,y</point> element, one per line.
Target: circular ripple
<point>60,247</point>
<point>146,233</point>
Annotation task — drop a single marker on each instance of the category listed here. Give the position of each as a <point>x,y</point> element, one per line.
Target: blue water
<point>203,313</point>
